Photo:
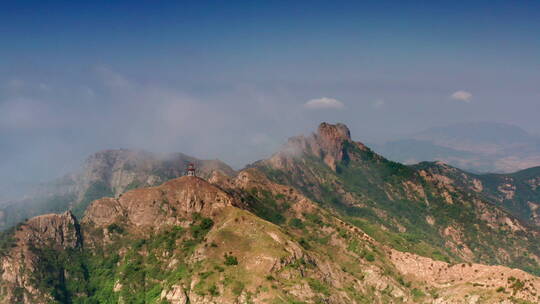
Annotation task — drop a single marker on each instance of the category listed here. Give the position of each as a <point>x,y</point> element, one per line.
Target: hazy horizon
<point>234,82</point>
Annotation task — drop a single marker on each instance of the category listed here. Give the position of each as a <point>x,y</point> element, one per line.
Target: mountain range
<point>323,220</point>
<point>479,147</point>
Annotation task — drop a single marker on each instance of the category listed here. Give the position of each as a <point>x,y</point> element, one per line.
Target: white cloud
<point>379,103</point>
<point>324,103</point>
<point>461,96</point>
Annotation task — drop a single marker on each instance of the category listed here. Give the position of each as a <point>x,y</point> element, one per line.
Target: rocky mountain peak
<point>334,133</point>
<point>329,142</point>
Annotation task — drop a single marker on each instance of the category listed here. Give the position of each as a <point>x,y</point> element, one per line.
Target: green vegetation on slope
<point>77,276</point>
<point>385,208</point>
<point>267,206</point>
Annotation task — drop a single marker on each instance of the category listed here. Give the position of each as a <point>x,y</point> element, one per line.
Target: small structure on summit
<point>190,171</point>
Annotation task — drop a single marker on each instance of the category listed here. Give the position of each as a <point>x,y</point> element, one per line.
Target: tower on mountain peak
<point>190,170</point>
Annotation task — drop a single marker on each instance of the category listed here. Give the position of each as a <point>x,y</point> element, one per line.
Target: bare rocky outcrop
<point>154,207</point>
<point>535,212</point>
<point>328,144</point>
<point>175,295</point>
<point>56,231</point>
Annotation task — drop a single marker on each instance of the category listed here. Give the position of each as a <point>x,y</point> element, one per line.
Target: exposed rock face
<point>151,208</point>
<point>331,139</point>
<point>59,230</point>
<point>535,212</point>
<point>328,144</point>
<point>56,231</point>
<point>175,295</point>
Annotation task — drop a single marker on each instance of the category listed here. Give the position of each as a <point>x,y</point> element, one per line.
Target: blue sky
<point>232,79</point>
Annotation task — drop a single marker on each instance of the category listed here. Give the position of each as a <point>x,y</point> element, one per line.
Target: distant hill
<point>517,193</point>
<point>476,147</point>
<point>477,133</point>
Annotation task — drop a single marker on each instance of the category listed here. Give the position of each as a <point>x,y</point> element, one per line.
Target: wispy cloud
<point>462,96</point>
<point>24,113</point>
<point>111,78</point>
<point>324,103</point>
<point>378,104</point>
<point>44,87</point>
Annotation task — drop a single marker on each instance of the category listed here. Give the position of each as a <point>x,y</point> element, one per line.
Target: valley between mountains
<point>324,220</point>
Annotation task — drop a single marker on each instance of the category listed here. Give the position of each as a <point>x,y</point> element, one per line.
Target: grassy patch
<point>230,260</point>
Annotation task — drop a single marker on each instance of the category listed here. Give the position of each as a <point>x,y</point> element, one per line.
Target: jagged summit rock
<point>329,143</point>
<point>333,132</point>
<point>331,140</point>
